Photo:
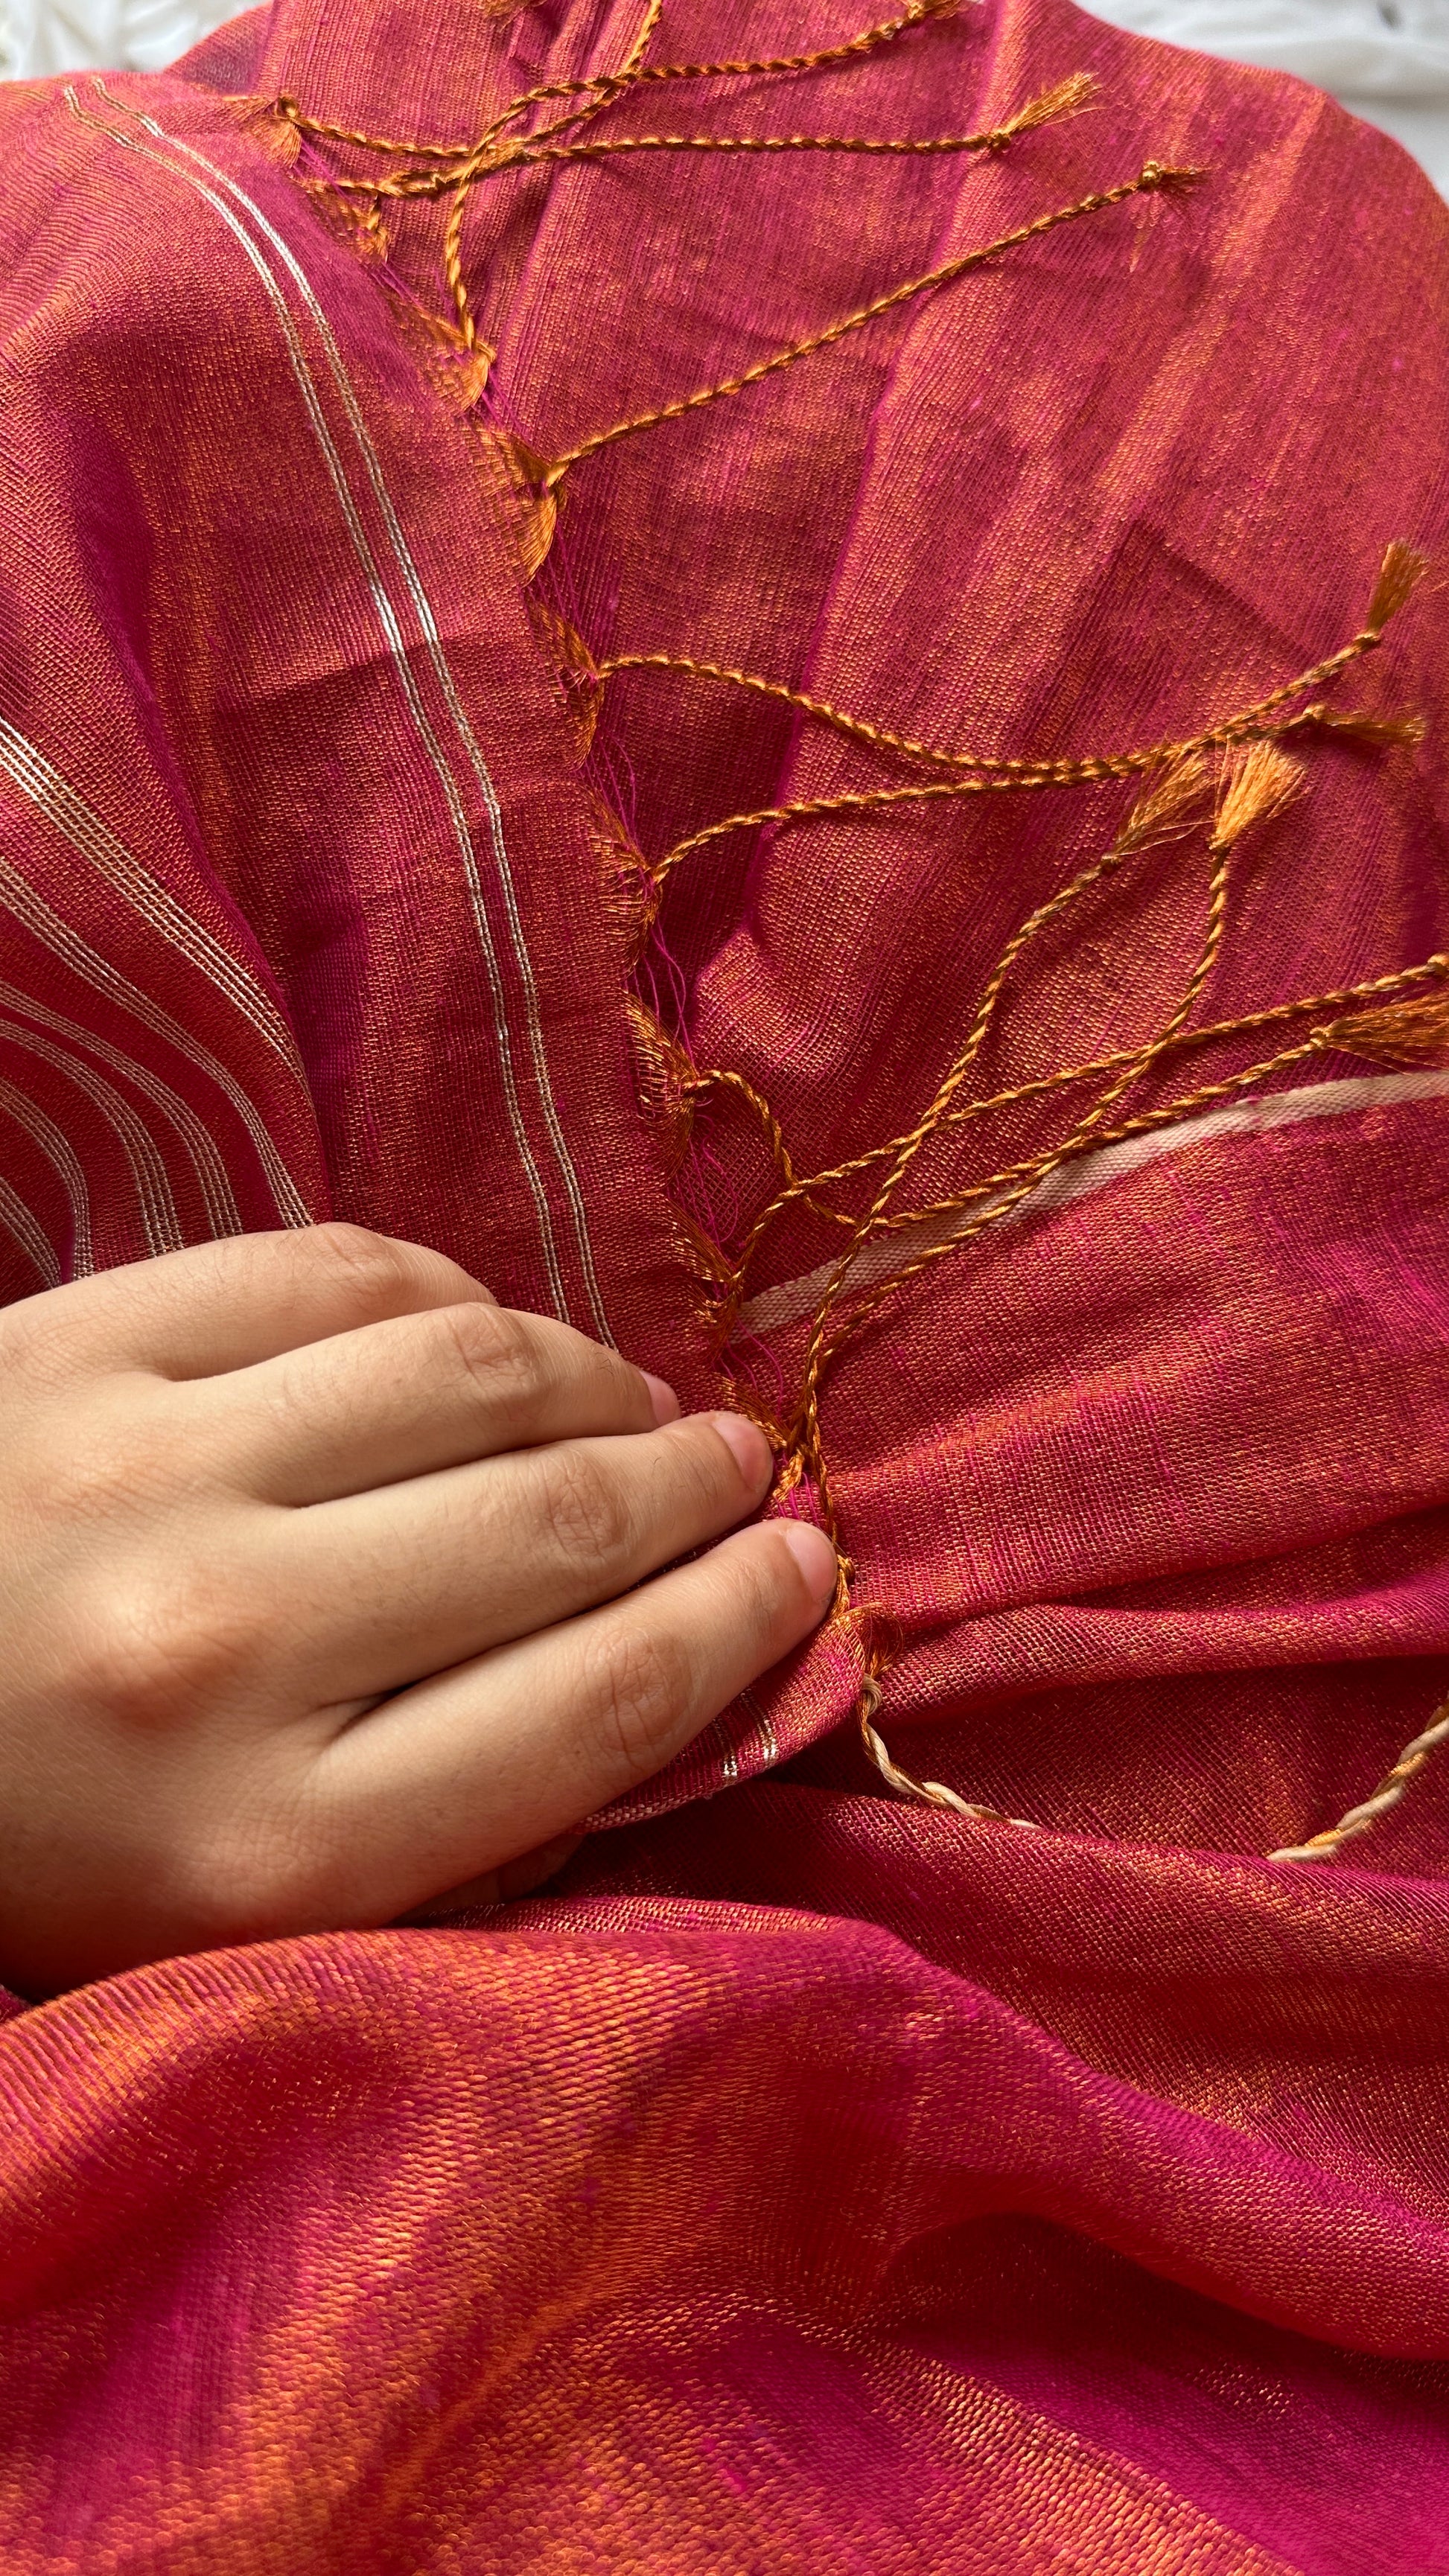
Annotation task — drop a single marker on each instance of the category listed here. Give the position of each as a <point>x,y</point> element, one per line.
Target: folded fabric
<point>792,707</point>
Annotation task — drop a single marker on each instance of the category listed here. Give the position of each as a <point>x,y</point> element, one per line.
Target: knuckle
<point>583,1508</point>
<point>520,1363</point>
<point>491,1349</point>
<point>151,1649</point>
<point>642,1684</point>
<point>373,1268</point>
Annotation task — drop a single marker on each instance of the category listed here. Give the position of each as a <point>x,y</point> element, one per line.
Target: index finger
<point>215,1307</point>
<point>464,1772</point>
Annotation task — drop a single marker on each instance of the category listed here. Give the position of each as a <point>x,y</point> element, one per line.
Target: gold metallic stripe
<point>55,1145</point>
<point>223,1215</point>
<point>34,1242</point>
<point>148,1171</point>
<point>38,779</point>
<point>46,926</point>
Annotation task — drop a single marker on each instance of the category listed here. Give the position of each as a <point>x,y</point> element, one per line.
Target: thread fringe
<point>1400,574</point>
<point>1256,783</point>
<point>1406,1033</point>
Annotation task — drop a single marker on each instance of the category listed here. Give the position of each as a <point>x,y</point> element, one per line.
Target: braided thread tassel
<point>1407,1033</point>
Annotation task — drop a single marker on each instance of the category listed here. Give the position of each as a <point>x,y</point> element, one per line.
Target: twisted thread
<point>930,1793</point>
<point>1005,1190</point>
<point>1328,1845</point>
<point>1255,785</point>
<point>1043,1085</point>
<point>1318,1847</point>
<point>458,168</point>
<point>1366,1034</point>
<point>1350,1036</point>
<point>1063,99</point>
<point>1153,178</point>
<point>1255,789</point>
<point>1400,570</point>
<point>611,85</point>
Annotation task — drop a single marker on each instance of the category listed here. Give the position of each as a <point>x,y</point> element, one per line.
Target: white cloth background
<point>1388,60</point>
<point>41,36</point>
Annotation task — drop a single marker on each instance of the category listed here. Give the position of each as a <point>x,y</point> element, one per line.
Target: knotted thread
<point>1400,571</point>
<point>1253,784</point>
<point>452,170</point>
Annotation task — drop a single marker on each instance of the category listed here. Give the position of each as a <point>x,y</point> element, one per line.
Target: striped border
<point>267,255</point>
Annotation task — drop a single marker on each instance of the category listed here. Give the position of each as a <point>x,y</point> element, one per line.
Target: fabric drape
<point>818,2177</point>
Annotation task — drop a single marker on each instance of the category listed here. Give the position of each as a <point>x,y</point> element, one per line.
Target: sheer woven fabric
<point>816,2179</point>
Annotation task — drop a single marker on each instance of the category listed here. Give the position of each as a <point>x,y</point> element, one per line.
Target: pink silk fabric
<point>812,2180</point>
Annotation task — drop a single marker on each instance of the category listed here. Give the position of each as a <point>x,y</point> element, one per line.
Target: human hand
<point>316,1595</point>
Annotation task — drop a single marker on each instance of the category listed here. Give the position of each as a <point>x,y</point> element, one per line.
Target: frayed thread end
<point>1404,1033</point>
<point>1365,724</point>
<point>1066,98</point>
<point>1259,784</point>
<point>1172,800</point>
<point>1400,574</point>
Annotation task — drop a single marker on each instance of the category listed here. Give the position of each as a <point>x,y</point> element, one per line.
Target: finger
<point>458,1776</point>
<point>220,1306</point>
<point>501,1886</point>
<point>416,1394</point>
<point>385,1587</point>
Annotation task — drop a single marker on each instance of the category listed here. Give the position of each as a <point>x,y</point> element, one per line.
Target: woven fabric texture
<point>822,2176</point>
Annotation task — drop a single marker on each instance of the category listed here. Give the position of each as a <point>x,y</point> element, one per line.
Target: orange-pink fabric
<point>817,2179</point>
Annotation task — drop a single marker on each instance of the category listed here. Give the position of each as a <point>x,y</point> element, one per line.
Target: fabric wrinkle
<point>1019,2143</point>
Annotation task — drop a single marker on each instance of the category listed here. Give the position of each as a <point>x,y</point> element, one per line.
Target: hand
<point>317,1594</point>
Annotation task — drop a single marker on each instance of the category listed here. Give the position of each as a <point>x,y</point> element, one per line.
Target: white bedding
<point>1387,60</point>
<point>40,36</point>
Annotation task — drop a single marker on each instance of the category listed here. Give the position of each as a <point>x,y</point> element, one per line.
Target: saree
<point>773,678</point>
<point>1391,68</point>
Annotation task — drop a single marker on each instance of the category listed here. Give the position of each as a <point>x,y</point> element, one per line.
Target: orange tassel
<point>1170,799</point>
<point>1064,100</point>
<point>1400,574</point>
<point>1408,1033</point>
<point>1258,784</point>
<point>1363,724</point>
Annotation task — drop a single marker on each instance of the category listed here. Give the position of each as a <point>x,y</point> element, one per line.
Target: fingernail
<point>747,1444</point>
<point>814,1555</point>
<point>662,1397</point>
